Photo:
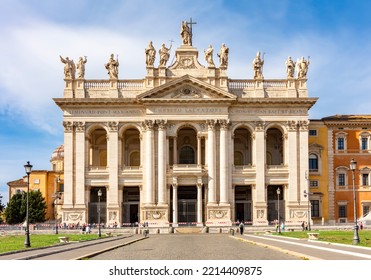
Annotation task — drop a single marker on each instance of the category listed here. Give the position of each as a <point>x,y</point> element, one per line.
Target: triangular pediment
<point>186,88</point>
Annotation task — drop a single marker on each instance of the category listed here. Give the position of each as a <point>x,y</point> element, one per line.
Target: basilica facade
<point>186,144</point>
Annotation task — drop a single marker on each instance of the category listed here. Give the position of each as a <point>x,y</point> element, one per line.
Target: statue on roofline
<point>209,56</point>
<point>69,68</point>
<point>164,54</point>
<point>302,65</point>
<point>290,68</point>
<point>112,67</point>
<point>257,66</point>
<point>223,56</point>
<point>150,55</point>
<point>81,67</point>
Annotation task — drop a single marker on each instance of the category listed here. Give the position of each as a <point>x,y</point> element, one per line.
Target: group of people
<point>304,226</point>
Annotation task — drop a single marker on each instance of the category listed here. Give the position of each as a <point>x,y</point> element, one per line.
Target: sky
<point>334,35</point>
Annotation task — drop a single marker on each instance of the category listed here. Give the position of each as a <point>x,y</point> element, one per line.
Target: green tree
<point>12,211</point>
<point>1,209</point>
<point>15,212</point>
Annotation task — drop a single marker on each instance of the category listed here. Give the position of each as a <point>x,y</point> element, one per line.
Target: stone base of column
<point>155,216</point>
<point>218,215</point>
<point>73,216</point>
<point>113,215</point>
<point>297,215</point>
<point>260,214</point>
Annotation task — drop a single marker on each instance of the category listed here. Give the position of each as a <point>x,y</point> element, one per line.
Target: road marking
<point>366,256</point>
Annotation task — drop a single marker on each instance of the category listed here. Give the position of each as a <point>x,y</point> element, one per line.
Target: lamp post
<point>305,195</point>
<point>28,169</point>
<point>356,240</point>
<point>99,195</point>
<point>278,212</point>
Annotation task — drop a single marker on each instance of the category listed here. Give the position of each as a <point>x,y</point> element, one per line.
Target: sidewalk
<point>309,249</point>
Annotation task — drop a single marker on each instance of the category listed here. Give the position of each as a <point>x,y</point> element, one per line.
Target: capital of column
<point>303,125</point>
<point>224,124</point>
<point>80,126</point>
<point>259,126</point>
<point>147,124</point>
<point>210,124</point>
<point>113,126</point>
<point>291,125</point>
<point>161,124</point>
<point>68,126</point>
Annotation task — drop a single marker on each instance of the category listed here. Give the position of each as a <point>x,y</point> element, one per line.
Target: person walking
<point>242,227</point>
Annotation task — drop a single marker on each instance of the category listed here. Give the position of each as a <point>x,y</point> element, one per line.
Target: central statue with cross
<point>186,32</point>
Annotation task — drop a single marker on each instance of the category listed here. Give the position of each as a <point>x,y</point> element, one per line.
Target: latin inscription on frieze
<point>187,110</point>
<point>104,112</point>
<point>274,112</point>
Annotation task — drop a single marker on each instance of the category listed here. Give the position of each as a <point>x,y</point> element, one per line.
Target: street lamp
<point>28,169</point>
<point>356,240</point>
<point>278,206</point>
<point>99,195</point>
<point>305,195</point>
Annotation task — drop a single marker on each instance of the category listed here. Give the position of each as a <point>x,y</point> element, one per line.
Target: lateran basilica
<point>186,144</point>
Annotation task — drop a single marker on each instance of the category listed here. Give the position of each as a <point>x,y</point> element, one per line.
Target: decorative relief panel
<point>156,215</point>
<point>218,214</point>
<point>73,217</point>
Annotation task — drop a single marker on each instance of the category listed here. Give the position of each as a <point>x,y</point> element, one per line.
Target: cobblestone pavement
<point>193,247</point>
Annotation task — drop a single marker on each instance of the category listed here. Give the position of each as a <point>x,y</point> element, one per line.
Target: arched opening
<point>184,147</point>
<point>242,147</point>
<point>131,147</point>
<point>98,148</point>
<point>274,147</point>
<point>186,155</point>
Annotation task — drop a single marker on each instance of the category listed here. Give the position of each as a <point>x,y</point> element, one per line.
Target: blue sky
<point>33,33</point>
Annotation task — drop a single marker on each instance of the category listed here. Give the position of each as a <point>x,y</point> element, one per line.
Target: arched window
<point>187,155</point>
<point>135,158</point>
<point>313,162</point>
<point>238,158</point>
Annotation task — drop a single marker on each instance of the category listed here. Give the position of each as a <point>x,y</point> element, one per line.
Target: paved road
<point>194,247</point>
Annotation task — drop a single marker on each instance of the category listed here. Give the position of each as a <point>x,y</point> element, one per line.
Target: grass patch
<point>16,242</point>
<point>334,236</point>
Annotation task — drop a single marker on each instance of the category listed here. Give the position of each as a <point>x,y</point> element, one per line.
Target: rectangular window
<point>365,179</point>
<point>364,142</point>
<point>315,208</point>
<point>313,183</point>
<point>365,209</point>
<point>61,187</point>
<point>341,179</point>
<point>342,211</point>
<point>312,132</point>
<point>340,143</point>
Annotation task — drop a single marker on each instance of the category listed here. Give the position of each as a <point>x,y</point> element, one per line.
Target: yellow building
<point>318,172</point>
<point>50,183</point>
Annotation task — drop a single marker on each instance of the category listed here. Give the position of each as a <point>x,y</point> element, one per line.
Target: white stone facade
<point>186,145</point>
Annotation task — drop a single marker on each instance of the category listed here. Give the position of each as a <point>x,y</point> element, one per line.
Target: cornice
<point>62,102</point>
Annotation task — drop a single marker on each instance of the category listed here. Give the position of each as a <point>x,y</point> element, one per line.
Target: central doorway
<point>130,206</point>
<point>187,205</point>
<point>243,204</point>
